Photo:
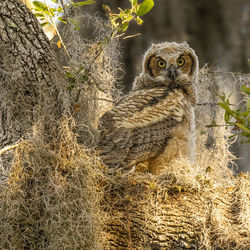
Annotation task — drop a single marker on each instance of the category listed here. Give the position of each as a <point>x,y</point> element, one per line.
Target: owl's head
<point>170,61</point>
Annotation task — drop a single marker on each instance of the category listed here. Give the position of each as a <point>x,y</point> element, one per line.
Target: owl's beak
<point>171,72</point>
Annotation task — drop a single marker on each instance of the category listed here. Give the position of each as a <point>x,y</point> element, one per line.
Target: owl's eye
<point>180,62</point>
<point>161,64</point>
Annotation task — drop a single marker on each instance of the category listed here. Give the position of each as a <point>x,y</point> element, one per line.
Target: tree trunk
<point>32,83</point>
<point>57,195</point>
<point>150,214</point>
<point>49,199</point>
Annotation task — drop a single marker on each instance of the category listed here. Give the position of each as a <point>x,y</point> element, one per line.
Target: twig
<point>228,72</point>
<point>206,103</point>
<point>211,103</point>
<point>218,125</point>
<point>126,37</point>
<point>103,99</point>
<point>60,38</point>
<point>7,148</point>
<point>64,10</point>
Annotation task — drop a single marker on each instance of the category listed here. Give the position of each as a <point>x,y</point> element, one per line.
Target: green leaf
<point>44,24</point>
<point>83,3</point>
<point>145,7</point>
<point>202,132</point>
<point>246,113</point>
<point>60,9</point>
<point>133,2</point>
<point>222,97</point>
<point>224,106</point>
<point>242,127</point>
<point>226,117</point>
<point>139,20</point>
<point>245,89</point>
<point>127,11</point>
<point>40,6</point>
<point>71,86</point>
<point>248,105</point>
<point>70,75</point>
<point>52,12</point>
<point>125,26</point>
<point>39,14</point>
<point>62,19</point>
<point>211,126</point>
<point>245,134</point>
<point>13,25</point>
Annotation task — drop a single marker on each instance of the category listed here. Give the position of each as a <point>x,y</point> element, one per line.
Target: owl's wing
<point>137,128</point>
<point>145,107</point>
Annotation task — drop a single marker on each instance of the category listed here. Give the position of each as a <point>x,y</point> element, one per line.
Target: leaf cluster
<point>45,13</point>
<point>120,22</point>
<point>239,117</point>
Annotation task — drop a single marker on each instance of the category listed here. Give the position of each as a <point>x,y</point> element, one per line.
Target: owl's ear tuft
<point>185,43</point>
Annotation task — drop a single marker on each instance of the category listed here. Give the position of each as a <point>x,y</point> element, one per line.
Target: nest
<point>52,196</point>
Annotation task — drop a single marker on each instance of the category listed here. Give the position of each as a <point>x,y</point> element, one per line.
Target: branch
<point>7,148</point>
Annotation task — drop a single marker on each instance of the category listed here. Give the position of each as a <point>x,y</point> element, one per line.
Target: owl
<point>154,123</point>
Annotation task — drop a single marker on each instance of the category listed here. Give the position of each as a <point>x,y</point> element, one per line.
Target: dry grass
<point>94,69</point>
<point>52,196</point>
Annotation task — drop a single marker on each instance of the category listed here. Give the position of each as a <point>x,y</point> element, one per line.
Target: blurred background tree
<point>219,31</point>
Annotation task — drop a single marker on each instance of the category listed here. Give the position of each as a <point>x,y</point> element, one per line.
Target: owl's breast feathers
<point>139,126</point>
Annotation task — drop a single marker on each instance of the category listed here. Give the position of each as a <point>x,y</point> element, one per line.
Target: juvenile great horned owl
<point>154,123</point>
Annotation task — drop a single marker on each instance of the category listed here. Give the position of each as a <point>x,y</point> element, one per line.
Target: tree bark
<point>29,73</point>
<point>46,200</point>
<point>188,206</point>
<point>31,81</point>
<point>153,215</point>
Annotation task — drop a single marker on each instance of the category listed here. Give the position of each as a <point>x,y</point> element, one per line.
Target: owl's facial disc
<point>165,71</point>
<point>167,65</point>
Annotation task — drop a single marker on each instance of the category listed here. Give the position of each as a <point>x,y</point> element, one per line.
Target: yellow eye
<point>180,62</point>
<point>161,64</point>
